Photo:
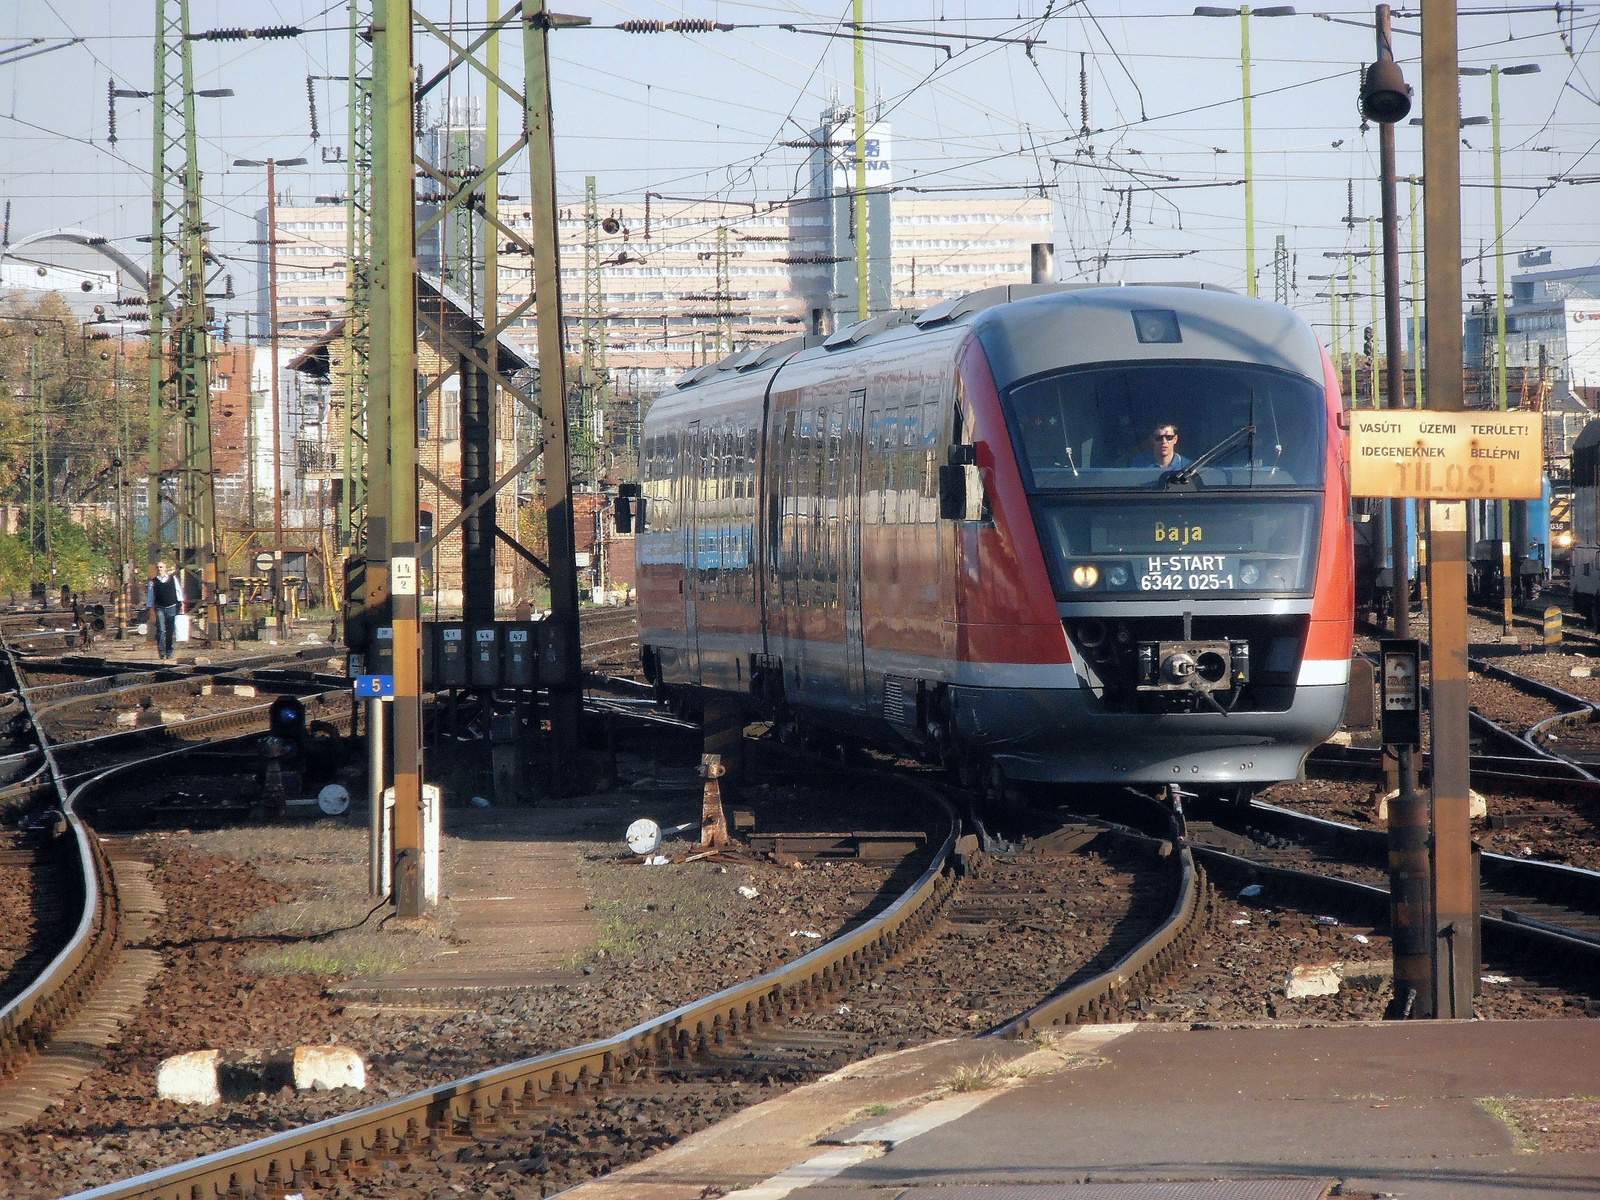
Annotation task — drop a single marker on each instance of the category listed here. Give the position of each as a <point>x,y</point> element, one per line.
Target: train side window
<point>910,436</point>
<point>802,496</point>
<point>930,461</point>
<point>836,448</point>
<point>870,469</point>
<point>785,499</point>
<point>814,481</point>
<point>891,443</point>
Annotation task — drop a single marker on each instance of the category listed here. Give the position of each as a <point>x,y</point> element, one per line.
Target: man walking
<point>165,599</point>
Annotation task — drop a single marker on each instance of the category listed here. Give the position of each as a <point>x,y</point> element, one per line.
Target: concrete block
<point>160,716</point>
<point>243,689</point>
<point>208,1076</point>
<point>323,1068</point>
<point>1311,981</point>
<point>1581,672</point>
<point>205,689</point>
<point>1477,806</point>
<point>190,1078</point>
<point>202,660</point>
<point>128,719</point>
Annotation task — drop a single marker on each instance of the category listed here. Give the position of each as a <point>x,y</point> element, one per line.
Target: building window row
<point>312,226</point>
<point>955,244</point>
<point>971,219</point>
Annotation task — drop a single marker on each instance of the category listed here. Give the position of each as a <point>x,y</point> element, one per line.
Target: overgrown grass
<point>1499,1111</point>
<point>329,958</point>
<point>987,1074</point>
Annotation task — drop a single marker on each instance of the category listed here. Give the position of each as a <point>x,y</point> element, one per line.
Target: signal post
<point>1446,458</point>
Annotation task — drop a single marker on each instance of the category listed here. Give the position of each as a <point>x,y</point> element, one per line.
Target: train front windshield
<point>1189,477</point>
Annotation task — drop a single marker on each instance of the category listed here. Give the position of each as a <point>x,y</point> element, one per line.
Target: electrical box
<point>520,657</point>
<point>483,651</point>
<point>380,651</point>
<point>1400,683</point>
<point>447,654</point>
<point>358,621</point>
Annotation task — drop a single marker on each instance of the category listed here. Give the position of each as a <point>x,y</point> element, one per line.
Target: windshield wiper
<point>1185,474</point>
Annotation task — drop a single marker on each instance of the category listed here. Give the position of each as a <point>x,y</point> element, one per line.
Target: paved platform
<point>516,904</point>
<point>1423,1110</point>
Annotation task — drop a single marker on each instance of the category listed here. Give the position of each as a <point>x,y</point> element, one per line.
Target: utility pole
<point>1372,270</point>
<point>271,165</point>
<point>863,301</point>
<point>272,354</point>
<point>183,379</point>
<point>358,276</point>
<point>1350,312</point>
<point>1455,917</point>
<point>724,293</point>
<point>593,329</point>
<point>394,310</point>
<point>377,601</point>
<point>35,390</point>
<point>1387,99</point>
<point>1416,304</point>
<point>563,651</point>
<point>1338,349</point>
<point>1507,578</point>
<point>1249,174</point>
<point>1244,14</point>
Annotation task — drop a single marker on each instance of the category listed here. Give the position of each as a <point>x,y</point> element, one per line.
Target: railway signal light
<point>1366,341</point>
<point>1385,94</point>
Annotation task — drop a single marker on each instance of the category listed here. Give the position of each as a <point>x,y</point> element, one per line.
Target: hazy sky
<point>707,115</point>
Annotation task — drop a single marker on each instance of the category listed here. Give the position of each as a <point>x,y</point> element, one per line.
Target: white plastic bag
<point>180,627</point>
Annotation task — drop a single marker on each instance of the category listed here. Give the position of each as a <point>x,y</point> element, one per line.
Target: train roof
<point>1023,333</point>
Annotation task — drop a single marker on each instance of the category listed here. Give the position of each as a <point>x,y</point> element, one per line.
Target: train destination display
<point>1474,455</point>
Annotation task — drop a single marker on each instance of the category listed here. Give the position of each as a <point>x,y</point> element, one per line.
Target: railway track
<point>770,1026</point>
<point>1538,913</point>
<point>58,779</point>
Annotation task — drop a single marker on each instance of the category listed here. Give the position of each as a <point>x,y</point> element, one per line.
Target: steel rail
<point>1500,934</point>
<point>113,679</point>
<point>1099,999</point>
<point>1532,880</point>
<point>29,1018</point>
<point>394,1128</point>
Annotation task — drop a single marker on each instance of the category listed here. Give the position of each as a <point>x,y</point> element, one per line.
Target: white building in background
<point>790,269</point>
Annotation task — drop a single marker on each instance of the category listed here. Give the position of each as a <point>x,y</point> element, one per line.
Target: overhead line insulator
<point>683,25</point>
<point>239,35</point>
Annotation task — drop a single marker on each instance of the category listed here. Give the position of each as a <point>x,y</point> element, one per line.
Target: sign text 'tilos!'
<point>1483,455</point>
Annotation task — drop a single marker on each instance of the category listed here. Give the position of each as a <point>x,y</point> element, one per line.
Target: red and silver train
<point>1046,532</point>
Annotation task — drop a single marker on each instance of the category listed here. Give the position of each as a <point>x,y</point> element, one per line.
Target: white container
<point>180,627</point>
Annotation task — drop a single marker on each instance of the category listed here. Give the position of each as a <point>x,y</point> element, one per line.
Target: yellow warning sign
<point>1488,455</point>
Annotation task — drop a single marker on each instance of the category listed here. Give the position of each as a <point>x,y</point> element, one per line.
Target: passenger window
<point>891,442</point>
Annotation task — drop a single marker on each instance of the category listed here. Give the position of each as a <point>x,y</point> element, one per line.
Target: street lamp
<point>1494,72</point>
<point>1244,14</point>
<point>271,164</point>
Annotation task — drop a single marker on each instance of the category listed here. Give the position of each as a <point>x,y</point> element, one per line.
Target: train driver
<point>1161,449</point>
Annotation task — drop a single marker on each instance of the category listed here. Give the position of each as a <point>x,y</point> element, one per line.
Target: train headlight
<point>1564,540</point>
<point>1249,573</point>
<point>1117,576</point>
<point>1085,576</point>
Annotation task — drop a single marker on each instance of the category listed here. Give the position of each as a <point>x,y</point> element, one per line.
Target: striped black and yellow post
<point>1552,628</point>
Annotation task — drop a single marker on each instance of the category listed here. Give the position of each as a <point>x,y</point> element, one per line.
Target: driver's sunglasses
<point>1167,437</point>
